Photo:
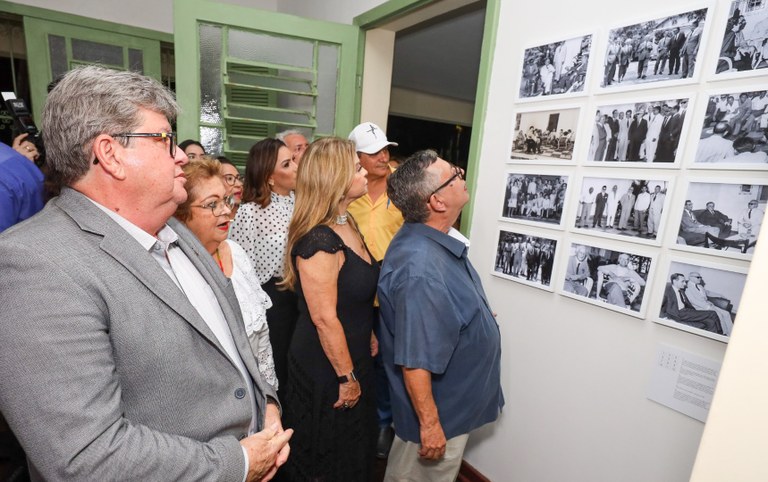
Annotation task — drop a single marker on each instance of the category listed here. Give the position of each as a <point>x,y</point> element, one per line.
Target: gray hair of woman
<point>410,186</point>
<point>90,101</point>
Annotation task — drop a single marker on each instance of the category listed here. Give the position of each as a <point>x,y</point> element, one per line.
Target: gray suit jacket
<point>107,371</point>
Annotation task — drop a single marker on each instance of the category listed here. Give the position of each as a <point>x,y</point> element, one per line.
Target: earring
<point>271,182</point>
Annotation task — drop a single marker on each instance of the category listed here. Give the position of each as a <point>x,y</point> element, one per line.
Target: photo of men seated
<point>535,197</point>
<point>549,134</point>
<point>702,299</point>
<point>722,217</point>
<point>735,130</point>
<point>621,207</point>
<point>613,279</point>
<point>525,258</point>
<point>638,132</point>
<point>744,46</point>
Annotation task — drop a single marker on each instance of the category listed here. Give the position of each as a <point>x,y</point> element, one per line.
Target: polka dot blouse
<point>263,233</point>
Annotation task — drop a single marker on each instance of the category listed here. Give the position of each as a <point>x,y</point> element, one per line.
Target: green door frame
<point>397,8</point>
<point>185,26</point>
<point>69,24</point>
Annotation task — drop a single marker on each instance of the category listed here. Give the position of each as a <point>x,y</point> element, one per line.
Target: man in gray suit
<point>124,354</point>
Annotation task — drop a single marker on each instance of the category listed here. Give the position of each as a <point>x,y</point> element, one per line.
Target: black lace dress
<point>330,444</point>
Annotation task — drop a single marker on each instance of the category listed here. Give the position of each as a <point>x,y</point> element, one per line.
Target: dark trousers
<point>281,319</point>
<point>383,399</point>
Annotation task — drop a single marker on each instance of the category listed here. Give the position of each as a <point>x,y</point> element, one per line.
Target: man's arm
<point>418,383</point>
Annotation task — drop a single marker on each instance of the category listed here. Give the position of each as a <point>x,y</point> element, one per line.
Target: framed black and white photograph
<point>640,133</point>
<point>558,68</point>
<point>612,278</point>
<point>734,131</point>
<point>743,40</point>
<point>526,258</point>
<point>722,218</point>
<point>661,51</point>
<point>535,198</point>
<point>540,136</point>
<point>622,208</point>
<point>701,297</point>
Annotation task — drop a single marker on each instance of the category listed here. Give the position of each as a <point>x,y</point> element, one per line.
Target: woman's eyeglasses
<point>219,207</point>
<point>231,179</point>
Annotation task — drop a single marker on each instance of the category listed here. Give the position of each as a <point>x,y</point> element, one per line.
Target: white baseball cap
<point>369,138</point>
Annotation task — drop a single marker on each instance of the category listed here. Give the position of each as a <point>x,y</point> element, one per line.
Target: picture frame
<point>615,277</point>
<point>647,44</point>
<point>558,69</point>
<point>647,201</point>
<point>526,257</point>
<point>646,132</point>
<point>731,134</point>
<point>535,198</point>
<point>712,297</point>
<point>545,136</point>
<point>742,37</point>
<point>731,227</point>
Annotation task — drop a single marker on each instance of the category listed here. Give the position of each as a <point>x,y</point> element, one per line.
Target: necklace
<point>341,219</point>
<point>218,258</point>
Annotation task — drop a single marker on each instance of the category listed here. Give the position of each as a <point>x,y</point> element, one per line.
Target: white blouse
<point>254,303</point>
<point>263,234</point>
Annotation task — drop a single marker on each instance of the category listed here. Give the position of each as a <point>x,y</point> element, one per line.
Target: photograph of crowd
<point>735,131</point>
<point>611,279</point>
<point>548,134</point>
<point>555,68</point>
<point>642,132</point>
<point>537,198</point>
<point>658,50</point>
<point>622,207</point>
<point>744,47</point>
<point>702,298</point>
<point>525,258</point>
<point>722,218</point>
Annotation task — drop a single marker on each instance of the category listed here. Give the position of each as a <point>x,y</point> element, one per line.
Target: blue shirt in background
<point>436,317</point>
<point>21,187</point>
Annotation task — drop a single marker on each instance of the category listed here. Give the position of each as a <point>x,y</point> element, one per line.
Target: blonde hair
<point>201,169</point>
<point>323,180</point>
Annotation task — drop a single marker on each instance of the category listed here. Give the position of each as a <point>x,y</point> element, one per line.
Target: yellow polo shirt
<point>378,222</point>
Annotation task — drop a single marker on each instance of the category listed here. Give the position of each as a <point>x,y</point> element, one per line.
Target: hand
<point>432,441</point>
<point>267,451</point>
<point>349,394</point>
<point>25,147</point>
<point>374,345</point>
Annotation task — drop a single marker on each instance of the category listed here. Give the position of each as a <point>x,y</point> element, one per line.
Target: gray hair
<point>411,184</point>
<point>290,132</point>
<point>90,101</point>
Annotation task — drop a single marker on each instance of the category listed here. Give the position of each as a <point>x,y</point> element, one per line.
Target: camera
<point>24,123</point>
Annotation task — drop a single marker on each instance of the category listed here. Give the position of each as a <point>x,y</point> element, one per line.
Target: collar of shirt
<point>454,241</point>
<point>280,199</point>
<point>166,235</point>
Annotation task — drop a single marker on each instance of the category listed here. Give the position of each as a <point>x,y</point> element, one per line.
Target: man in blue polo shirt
<point>440,343</point>
<point>21,183</point>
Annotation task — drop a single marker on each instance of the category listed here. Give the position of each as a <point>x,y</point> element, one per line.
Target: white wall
<point>575,375</point>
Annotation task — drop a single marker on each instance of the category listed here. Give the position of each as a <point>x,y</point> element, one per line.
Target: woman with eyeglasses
<point>261,228</point>
<point>234,180</point>
<point>206,213</point>
<point>330,391</point>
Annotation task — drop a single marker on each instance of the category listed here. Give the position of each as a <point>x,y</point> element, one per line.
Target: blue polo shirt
<point>436,317</point>
<point>21,187</point>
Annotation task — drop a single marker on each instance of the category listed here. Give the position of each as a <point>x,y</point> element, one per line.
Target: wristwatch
<point>347,378</point>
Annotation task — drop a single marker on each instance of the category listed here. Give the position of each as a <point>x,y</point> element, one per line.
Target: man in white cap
<point>379,220</point>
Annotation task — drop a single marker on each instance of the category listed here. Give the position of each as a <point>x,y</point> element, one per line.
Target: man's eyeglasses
<point>170,136</point>
<point>219,207</point>
<point>231,179</point>
<point>457,172</point>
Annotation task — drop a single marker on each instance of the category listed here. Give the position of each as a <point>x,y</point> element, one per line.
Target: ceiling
<point>441,56</point>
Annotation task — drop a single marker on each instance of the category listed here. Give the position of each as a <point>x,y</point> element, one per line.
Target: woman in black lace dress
<point>330,396</point>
